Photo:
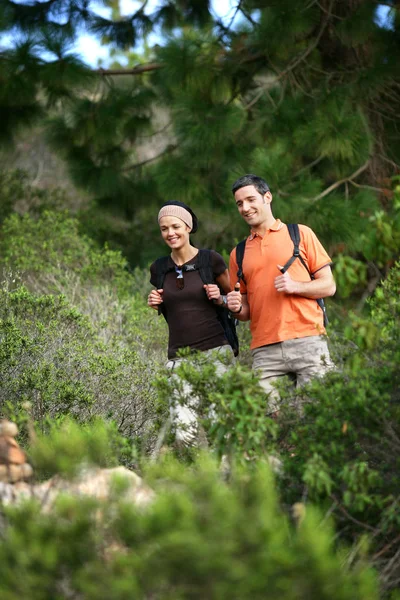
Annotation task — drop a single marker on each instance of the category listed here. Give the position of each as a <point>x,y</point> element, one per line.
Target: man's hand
<point>155,298</point>
<point>284,283</point>
<point>213,292</point>
<point>321,286</point>
<point>234,300</point>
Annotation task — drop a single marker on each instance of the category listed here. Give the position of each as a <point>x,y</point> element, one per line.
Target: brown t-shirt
<point>192,318</point>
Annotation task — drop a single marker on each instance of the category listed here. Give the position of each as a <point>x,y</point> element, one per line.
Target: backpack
<point>294,233</point>
<point>204,266</point>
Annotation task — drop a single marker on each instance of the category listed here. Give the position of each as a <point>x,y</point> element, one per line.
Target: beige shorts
<point>300,359</point>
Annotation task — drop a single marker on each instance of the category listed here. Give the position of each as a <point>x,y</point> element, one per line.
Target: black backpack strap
<point>162,268</point>
<point>294,233</point>
<point>228,323</point>
<point>205,266</point>
<point>240,248</point>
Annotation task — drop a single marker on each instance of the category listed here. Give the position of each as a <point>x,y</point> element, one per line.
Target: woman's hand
<point>213,292</point>
<point>155,298</point>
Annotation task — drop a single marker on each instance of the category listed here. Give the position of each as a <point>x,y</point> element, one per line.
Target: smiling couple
<point>288,337</point>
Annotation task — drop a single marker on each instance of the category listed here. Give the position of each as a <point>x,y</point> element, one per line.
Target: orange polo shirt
<point>276,316</point>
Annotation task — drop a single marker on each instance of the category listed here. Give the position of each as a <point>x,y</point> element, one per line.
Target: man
<point>286,321</point>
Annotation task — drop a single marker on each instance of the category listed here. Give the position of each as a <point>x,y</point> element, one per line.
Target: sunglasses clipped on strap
<point>180,282</point>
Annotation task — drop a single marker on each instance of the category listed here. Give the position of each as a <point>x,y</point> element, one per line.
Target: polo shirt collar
<point>276,226</point>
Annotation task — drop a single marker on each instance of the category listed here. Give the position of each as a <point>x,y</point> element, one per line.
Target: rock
<point>8,429</point>
<point>13,465</point>
<point>10,452</point>
<point>275,463</point>
<point>299,512</point>
<point>12,473</point>
<point>97,483</point>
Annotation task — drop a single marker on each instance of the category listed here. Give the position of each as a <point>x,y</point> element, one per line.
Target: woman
<point>187,303</point>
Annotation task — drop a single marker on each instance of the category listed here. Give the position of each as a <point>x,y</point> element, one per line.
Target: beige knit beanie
<point>176,211</point>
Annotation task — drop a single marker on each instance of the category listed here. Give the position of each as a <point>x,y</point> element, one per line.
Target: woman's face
<point>175,232</point>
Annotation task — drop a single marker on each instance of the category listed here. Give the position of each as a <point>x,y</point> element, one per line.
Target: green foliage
<point>202,537</point>
<point>231,405</point>
<point>335,132</point>
<point>383,241</point>
<point>344,448</point>
<point>21,98</point>
<point>307,96</point>
<point>52,244</point>
<point>18,195</point>
<point>54,358</point>
<point>349,274</point>
<point>73,338</point>
<point>66,447</point>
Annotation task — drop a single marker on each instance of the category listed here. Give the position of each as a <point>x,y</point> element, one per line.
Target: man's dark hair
<point>186,207</point>
<point>259,183</point>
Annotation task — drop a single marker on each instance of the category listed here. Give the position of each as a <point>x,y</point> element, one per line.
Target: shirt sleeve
<point>218,264</point>
<point>233,269</point>
<point>317,256</point>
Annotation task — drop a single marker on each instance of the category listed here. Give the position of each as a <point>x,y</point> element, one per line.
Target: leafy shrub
<point>52,244</point>
<point>231,406</point>
<point>50,256</point>
<point>19,196</point>
<point>200,538</point>
<point>52,356</point>
<point>66,447</point>
<point>346,447</point>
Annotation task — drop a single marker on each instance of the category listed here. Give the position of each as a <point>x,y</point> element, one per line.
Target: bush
<point>67,447</point>
<point>50,256</point>
<point>231,406</point>
<point>52,244</point>
<point>76,334</point>
<point>346,447</point>
<point>19,196</point>
<point>52,356</point>
<point>200,538</point>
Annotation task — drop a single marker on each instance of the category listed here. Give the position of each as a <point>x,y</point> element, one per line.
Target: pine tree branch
<point>238,7</point>
<point>353,519</point>
<point>248,17</point>
<point>155,66</point>
<point>341,182</point>
<point>134,71</point>
<point>167,150</point>
<point>371,287</point>
<point>153,133</point>
<point>386,548</point>
<point>388,160</point>
<point>331,14</point>
<point>309,166</point>
<point>226,29</point>
<point>300,59</point>
<point>312,46</point>
<point>305,168</point>
<point>255,99</point>
<point>367,187</point>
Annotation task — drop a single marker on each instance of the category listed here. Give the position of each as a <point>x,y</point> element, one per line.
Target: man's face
<point>253,206</point>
